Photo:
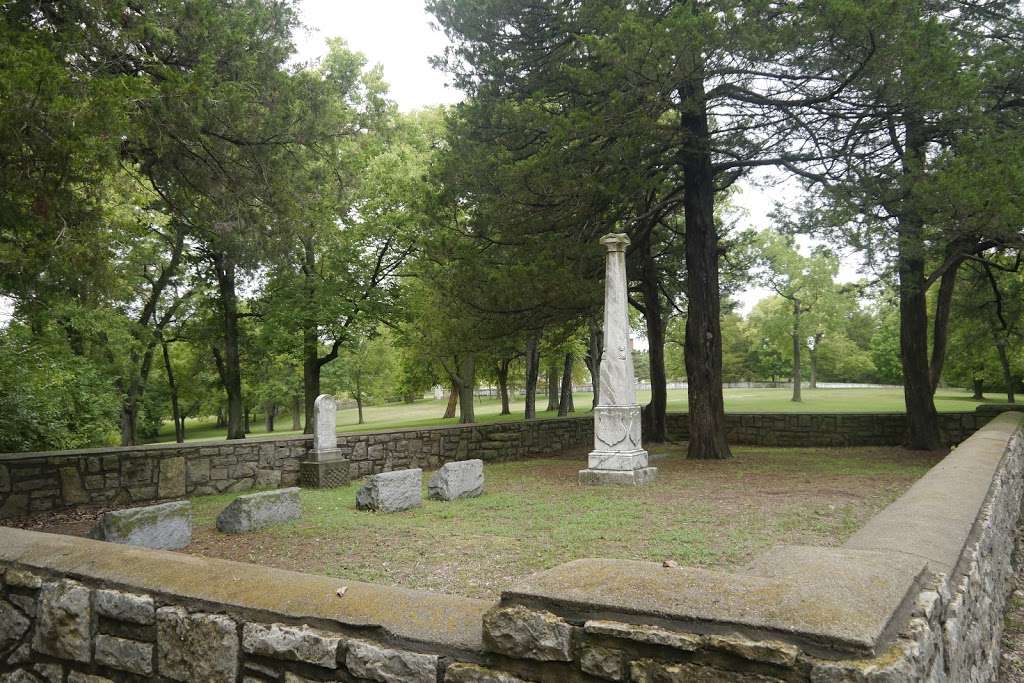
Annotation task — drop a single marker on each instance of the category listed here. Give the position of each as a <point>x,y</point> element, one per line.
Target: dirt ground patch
<point>534,516</point>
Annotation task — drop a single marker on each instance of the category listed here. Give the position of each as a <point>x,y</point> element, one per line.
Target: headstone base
<point>617,460</point>
<point>324,470</point>
<point>638,477</point>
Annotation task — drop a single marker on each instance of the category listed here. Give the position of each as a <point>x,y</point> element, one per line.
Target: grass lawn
<point>427,412</point>
<point>533,516</point>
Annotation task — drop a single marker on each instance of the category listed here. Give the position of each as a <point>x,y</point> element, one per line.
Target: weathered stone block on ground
<point>167,526</point>
<point>462,479</point>
<point>64,621</point>
<point>259,510</point>
<point>392,491</point>
<point>196,647</point>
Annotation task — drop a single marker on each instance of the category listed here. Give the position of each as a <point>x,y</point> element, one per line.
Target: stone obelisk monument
<point>324,466</point>
<point>618,456</point>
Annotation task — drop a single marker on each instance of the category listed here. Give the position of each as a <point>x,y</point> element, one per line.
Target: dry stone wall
<point>37,482</point>
<point>916,595</point>
<point>828,429</point>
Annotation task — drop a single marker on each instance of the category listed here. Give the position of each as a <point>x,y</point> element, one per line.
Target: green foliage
<point>49,399</point>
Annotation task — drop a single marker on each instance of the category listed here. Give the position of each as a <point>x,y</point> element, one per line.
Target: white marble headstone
<point>325,423</point>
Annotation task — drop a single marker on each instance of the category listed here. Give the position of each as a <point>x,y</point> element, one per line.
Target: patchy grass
<point>426,413</point>
<point>534,516</point>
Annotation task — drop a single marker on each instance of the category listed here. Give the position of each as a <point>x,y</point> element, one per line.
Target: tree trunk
<point>797,375</point>
<point>553,375</point>
<point>1004,363</point>
<point>467,382</point>
<point>148,335</point>
<point>922,419</point>
<point>565,395</point>
<point>654,423</point>
<point>813,354</point>
<point>359,398</point>
<point>172,388</point>
<point>593,360</point>
<point>453,402</point>
<point>310,373</point>
<point>503,384</point>
<point>247,413</point>
<point>296,413</point>
<point>940,326</point>
<point>229,365</point>
<point>221,420</point>
<point>532,371</point>
<point>129,405</point>
<point>703,324</point>
<point>310,338</point>
<point>271,413</point>
<point>979,385</point>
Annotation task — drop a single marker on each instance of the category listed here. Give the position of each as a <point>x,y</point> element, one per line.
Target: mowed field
<point>428,412</point>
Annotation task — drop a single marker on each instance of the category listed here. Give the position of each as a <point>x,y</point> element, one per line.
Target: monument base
<point>617,460</point>
<point>638,477</point>
<point>325,470</point>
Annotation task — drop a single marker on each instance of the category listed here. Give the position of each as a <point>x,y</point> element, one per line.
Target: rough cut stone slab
<point>167,526</point>
<point>51,673</point>
<point>172,477</point>
<point>471,673</point>
<point>650,671</point>
<point>79,677</point>
<point>604,663</point>
<point>653,635</point>
<point>135,609</point>
<point>618,477</point>
<point>63,622</point>
<point>296,644</point>
<point>367,661</point>
<point>392,491</point>
<point>770,651</point>
<point>259,510</point>
<point>526,633</point>
<point>13,625</point>
<point>23,579</point>
<point>124,655</point>
<point>462,479</point>
<point>196,647</point>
